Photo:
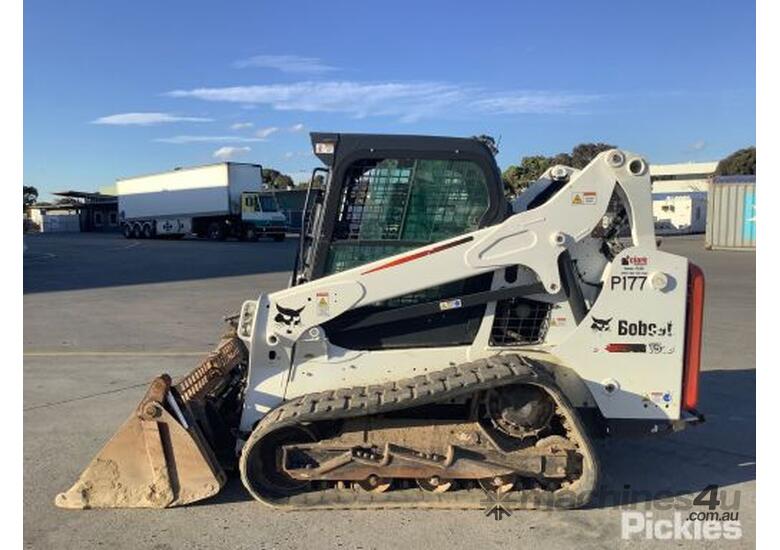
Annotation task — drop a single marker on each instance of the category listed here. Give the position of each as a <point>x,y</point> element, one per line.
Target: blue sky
<point>114,89</point>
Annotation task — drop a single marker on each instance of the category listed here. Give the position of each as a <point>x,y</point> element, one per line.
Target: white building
<point>681,213</point>
<point>682,177</point>
<point>680,196</point>
<point>54,218</point>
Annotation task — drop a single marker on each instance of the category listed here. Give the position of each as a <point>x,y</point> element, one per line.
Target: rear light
<point>693,337</point>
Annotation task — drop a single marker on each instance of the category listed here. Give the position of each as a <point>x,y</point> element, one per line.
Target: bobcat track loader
<point>433,344</point>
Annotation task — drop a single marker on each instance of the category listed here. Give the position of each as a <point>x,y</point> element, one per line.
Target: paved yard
<point>103,315</point>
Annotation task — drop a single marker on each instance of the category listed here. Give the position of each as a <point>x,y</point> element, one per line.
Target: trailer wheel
<point>127,231</point>
<point>278,237</point>
<point>147,232</point>
<point>216,231</point>
<point>136,231</point>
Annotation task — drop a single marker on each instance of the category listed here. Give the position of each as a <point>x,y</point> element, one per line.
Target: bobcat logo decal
<point>600,325</point>
<point>288,317</point>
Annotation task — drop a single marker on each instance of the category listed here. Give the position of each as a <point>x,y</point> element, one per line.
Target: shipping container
<point>731,213</point>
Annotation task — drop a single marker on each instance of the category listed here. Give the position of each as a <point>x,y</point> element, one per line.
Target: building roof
<point>86,195</point>
<point>47,207</point>
<point>683,168</point>
<point>734,179</point>
<point>672,194</point>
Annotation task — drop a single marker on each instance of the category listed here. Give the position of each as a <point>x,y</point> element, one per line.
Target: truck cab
<point>260,215</point>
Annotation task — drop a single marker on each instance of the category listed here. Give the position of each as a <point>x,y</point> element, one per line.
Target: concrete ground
<point>103,315</point>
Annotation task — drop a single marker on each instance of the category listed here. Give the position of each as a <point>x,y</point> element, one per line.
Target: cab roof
<point>345,144</point>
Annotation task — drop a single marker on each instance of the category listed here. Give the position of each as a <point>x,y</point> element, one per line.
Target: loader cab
<point>386,194</point>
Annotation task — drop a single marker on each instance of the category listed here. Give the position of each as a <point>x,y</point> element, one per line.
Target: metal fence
<point>731,213</point>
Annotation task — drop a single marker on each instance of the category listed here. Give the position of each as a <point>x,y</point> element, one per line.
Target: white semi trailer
<point>215,201</point>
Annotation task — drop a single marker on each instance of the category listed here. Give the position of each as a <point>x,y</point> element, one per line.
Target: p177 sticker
<point>627,283</point>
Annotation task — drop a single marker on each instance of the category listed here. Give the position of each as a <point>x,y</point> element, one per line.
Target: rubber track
<point>433,387</point>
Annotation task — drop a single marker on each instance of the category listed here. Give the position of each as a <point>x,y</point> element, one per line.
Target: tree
<point>269,175</point>
<point>517,178</point>
<point>277,180</point>
<point>512,181</point>
<point>738,163</point>
<point>583,153</point>
<point>283,181</point>
<point>562,158</point>
<point>30,196</point>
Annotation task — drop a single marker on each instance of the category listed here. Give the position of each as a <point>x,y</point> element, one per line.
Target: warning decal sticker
<point>587,198</point>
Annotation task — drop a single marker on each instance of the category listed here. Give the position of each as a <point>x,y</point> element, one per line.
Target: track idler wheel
<point>435,484</point>
<point>520,411</point>
<point>264,465</point>
<point>498,484</point>
<point>374,484</point>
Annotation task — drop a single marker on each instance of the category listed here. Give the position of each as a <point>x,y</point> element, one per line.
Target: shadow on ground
<point>719,452</point>
<point>60,262</point>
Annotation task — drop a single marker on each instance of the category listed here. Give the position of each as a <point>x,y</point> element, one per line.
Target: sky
<point>118,89</point>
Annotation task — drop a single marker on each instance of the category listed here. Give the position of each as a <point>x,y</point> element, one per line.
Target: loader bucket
<point>159,457</point>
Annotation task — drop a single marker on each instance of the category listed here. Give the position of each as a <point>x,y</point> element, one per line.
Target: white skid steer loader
<point>432,344</point>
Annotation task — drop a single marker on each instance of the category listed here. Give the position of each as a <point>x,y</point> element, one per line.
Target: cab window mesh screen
<point>401,204</point>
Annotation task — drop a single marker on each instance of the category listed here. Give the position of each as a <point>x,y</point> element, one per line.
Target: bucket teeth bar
<point>160,457</point>
<point>218,365</point>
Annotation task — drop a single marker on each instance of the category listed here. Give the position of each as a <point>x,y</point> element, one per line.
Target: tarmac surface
<point>103,315</point>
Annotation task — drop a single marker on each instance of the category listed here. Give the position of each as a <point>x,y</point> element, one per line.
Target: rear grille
<point>519,321</point>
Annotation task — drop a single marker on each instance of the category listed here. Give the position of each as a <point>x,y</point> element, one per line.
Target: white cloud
<point>241,125</point>
<point>265,132</point>
<point>410,101</point>
<point>539,102</point>
<point>208,139</point>
<point>293,154</point>
<point>286,64</point>
<point>145,119</point>
<point>296,127</point>
<point>698,145</point>
<point>226,153</point>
